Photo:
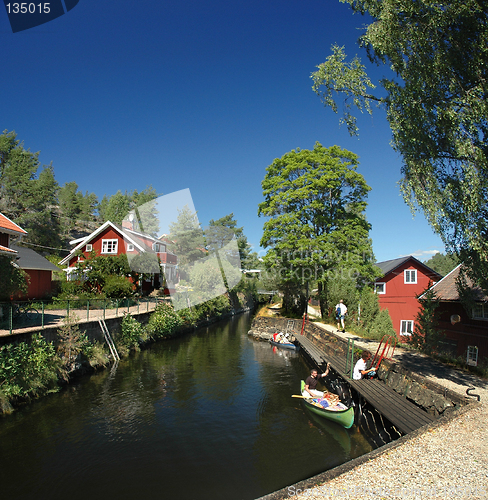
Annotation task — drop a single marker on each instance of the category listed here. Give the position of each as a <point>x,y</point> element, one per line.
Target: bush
<point>29,369</point>
<point>73,346</point>
<point>132,333</point>
<point>163,322</point>
<point>117,287</point>
<point>381,325</point>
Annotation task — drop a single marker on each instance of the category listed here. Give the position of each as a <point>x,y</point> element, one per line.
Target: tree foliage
<point>27,197</point>
<point>436,105</point>
<point>13,279</point>
<point>316,228</point>
<point>427,335</point>
<point>442,263</point>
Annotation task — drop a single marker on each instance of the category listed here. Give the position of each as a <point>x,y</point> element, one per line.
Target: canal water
<point>208,416</point>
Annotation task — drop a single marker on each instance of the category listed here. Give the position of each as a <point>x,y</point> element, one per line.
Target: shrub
<point>117,287</point>
<point>381,325</point>
<point>132,333</point>
<point>28,369</point>
<point>164,322</point>
<point>73,345</point>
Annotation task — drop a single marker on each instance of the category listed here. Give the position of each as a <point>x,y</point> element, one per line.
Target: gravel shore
<point>447,460</point>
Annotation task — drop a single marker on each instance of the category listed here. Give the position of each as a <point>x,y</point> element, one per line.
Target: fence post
<point>352,358</point>
<point>128,305</point>
<point>42,315</point>
<point>11,319</point>
<point>147,304</point>
<point>67,309</point>
<point>88,310</point>
<point>116,307</point>
<point>104,307</point>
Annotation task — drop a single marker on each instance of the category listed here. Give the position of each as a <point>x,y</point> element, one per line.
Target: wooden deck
<point>403,414</point>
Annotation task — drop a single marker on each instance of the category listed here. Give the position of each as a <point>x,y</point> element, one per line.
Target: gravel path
<point>447,461</point>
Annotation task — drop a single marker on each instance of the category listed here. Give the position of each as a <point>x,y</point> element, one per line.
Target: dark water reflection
<point>207,416</point>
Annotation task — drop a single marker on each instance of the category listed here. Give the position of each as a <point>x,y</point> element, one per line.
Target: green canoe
<point>342,417</point>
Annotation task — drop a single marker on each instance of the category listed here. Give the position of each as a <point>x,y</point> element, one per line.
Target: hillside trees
<point>443,263</point>
<point>26,197</point>
<point>436,105</point>
<point>316,228</point>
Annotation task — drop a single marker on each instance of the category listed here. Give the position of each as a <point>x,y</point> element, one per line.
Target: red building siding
<point>107,234</point>
<point>400,297</point>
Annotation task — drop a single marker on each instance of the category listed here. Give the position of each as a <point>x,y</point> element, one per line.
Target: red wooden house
<point>113,239</point>
<point>465,325</point>
<point>403,280</point>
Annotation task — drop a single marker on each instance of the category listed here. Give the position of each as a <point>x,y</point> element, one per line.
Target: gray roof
<point>389,265</point>
<point>28,259</point>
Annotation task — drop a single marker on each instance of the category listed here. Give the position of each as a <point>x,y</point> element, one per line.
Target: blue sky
<point>199,95</point>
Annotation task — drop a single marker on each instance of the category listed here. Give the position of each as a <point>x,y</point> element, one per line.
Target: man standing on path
<point>341,311</point>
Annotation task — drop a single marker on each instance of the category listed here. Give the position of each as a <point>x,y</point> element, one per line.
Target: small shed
<point>39,269</point>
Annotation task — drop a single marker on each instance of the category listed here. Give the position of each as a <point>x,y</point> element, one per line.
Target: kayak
<point>338,413</point>
<point>284,345</point>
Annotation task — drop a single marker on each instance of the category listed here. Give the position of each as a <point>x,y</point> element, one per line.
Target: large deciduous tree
<point>436,105</point>
<point>315,201</point>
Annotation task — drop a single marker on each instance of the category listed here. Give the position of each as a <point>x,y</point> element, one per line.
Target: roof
<point>28,259</point>
<point>388,266</point>
<point>9,227</point>
<point>446,289</point>
<point>7,251</point>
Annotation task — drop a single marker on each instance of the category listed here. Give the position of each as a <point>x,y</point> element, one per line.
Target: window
<point>410,275</point>
<point>159,247</point>
<point>130,247</point>
<point>406,327</point>
<point>109,246</point>
<point>472,357</point>
<point>480,311</point>
<point>89,247</point>
<point>380,288</point>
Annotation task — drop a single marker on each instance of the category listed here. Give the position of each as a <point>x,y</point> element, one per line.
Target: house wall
<point>107,234</point>
<point>468,332</point>
<point>401,298</point>
<point>40,285</point>
<point>4,240</point>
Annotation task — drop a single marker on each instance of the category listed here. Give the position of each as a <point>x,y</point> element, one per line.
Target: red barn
<point>113,239</point>
<point>403,280</point>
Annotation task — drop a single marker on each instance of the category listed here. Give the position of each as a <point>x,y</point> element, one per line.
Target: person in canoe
<point>360,370</point>
<point>311,383</point>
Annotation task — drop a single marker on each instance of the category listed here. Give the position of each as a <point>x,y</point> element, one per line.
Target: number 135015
<point>28,8</point>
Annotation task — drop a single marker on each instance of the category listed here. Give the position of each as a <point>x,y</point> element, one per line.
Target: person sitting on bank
<point>311,383</point>
<point>360,370</point>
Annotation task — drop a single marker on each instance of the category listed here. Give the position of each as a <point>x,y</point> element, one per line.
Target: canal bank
<point>446,459</point>
<point>213,407</point>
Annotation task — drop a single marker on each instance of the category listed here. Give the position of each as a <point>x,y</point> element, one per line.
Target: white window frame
<point>472,355</point>
<point>409,281</point>
<point>89,247</point>
<point>480,311</point>
<point>382,287</point>
<point>130,247</point>
<point>110,247</point>
<point>406,322</point>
